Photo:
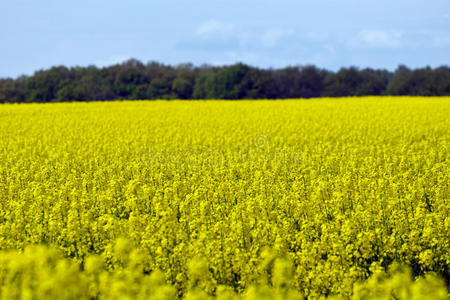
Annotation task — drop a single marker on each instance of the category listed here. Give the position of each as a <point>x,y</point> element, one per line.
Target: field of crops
<point>227,199</point>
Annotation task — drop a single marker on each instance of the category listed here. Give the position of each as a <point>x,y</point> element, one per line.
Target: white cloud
<point>214,28</point>
<point>316,36</point>
<point>324,55</point>
<point>272,37</point>
<point>231,57</point>
<point>441,41</point>
<point>112,60</point>
<point>377,39</point>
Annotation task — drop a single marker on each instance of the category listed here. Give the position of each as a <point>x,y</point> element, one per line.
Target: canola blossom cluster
<point>339,198</point>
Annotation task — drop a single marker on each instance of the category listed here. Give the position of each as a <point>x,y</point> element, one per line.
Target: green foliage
<point>160,88</point>
<point>133,80</point>
<point>182,88</point>
<point>204,85</point>
<point>354,82</point>
<point>425,82</point>
<point>228,82</point>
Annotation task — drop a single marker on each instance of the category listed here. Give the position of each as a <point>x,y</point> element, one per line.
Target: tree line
<point>134,80</point>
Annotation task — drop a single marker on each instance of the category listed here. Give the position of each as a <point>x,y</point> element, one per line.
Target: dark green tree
<point>182,88</point>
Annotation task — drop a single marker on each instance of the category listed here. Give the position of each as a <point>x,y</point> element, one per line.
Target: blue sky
<point>330,34</point>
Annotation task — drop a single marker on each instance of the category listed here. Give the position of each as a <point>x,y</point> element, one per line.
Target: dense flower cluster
<point>230,200</point>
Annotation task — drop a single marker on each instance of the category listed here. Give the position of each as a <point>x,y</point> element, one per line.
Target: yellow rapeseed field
<point>343,198</point>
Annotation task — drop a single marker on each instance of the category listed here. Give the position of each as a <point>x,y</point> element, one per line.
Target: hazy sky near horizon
<point>330,34</point>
